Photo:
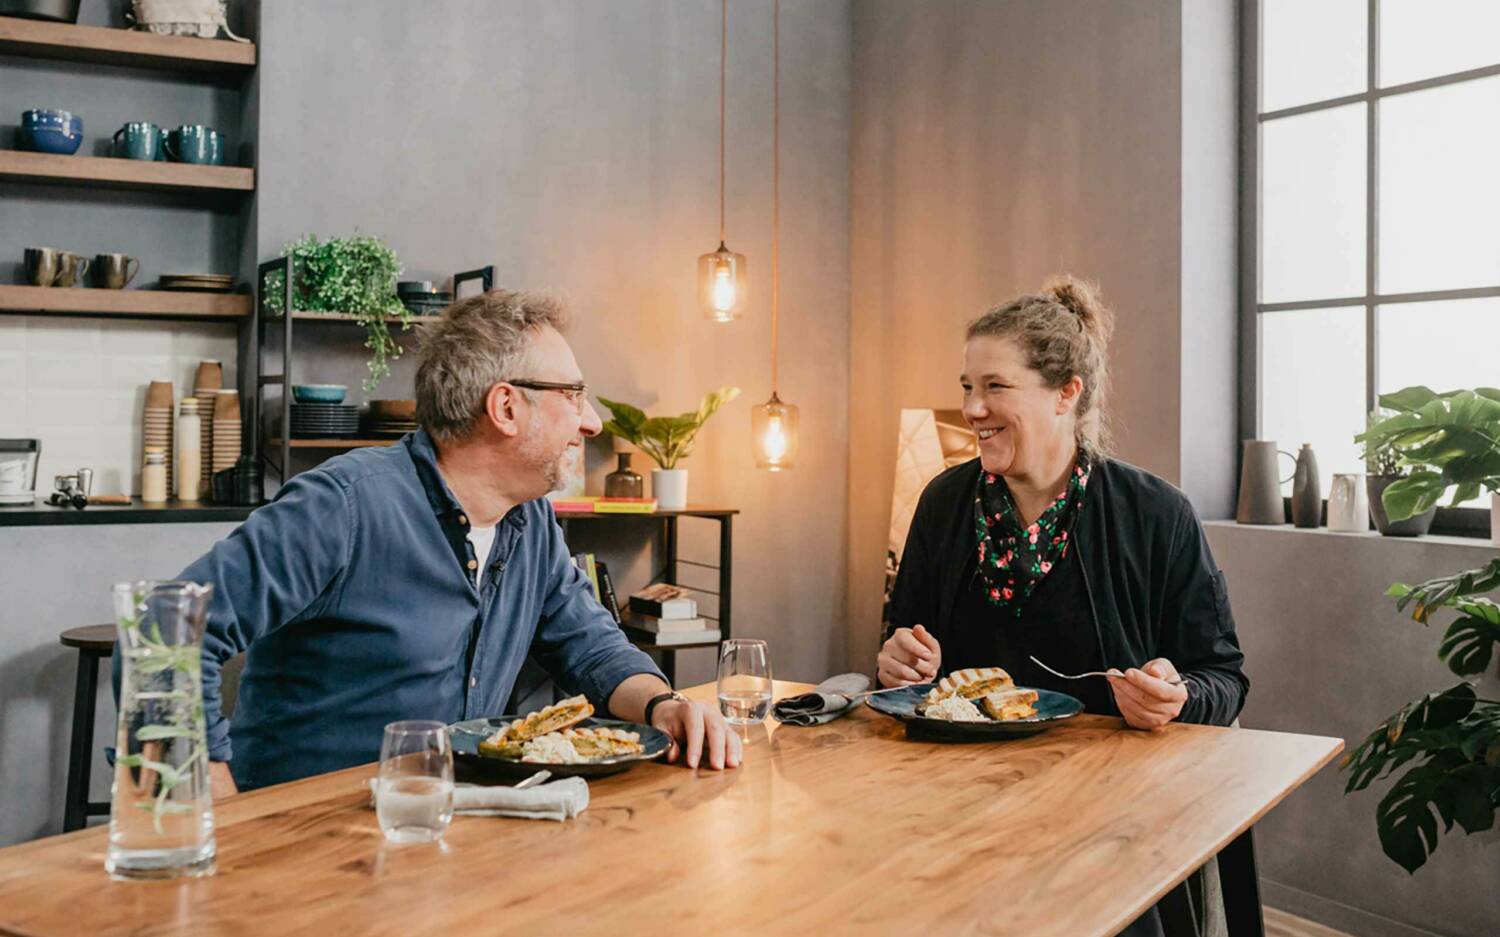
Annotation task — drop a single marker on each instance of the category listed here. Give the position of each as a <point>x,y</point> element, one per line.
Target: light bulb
<point>723,288</point>
<point>774,442</point>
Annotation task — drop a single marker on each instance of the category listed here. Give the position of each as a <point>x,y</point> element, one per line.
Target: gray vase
<point>1307,491</point>
<point>1414,526</point>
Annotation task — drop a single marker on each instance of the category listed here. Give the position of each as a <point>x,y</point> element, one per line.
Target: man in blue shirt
<point>410,582</point>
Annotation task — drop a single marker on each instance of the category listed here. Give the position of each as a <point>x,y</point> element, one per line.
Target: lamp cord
<point>775,183</point>
<point>723,70</point>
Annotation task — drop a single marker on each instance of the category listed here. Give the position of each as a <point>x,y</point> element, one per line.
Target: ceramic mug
<point>138,140</point>
<point>42,264</point>
<point>195,143</point>
<point>115,271</point>
<point>71,269</point>
<point>1348,508</point>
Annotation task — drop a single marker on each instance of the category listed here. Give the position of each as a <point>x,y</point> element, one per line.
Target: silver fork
<point>534,780</point>
<point>1175,681</point>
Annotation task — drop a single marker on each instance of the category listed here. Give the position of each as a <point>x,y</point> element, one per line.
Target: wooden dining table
<point>844,828</point>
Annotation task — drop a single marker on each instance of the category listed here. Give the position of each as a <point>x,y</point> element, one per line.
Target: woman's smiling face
<point>1020,421</point>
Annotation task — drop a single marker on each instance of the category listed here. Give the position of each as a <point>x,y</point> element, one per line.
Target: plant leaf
<point>1469,644</point>
<point>1414,494</point>
<point>154,733</point>
<point>1404,820</point>
<point>1408,398</point>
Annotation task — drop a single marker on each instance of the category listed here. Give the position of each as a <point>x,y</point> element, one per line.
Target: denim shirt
<point>359,601</point>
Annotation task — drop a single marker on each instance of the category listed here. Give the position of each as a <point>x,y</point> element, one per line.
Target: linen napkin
<point>828,701</point>
<point>563,799</point>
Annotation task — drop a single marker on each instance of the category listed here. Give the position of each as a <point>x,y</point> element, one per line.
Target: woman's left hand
<point>1145,698</point>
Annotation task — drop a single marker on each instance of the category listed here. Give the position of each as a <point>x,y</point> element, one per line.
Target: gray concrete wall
<point>52,579</point>
<point>995,144</point>
<point>1328,654</point>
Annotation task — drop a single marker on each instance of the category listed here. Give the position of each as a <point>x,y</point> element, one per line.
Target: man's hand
<point>912,655</point>
<point>699,734</point>
<point>1145,697</point>
<point>220,781</point>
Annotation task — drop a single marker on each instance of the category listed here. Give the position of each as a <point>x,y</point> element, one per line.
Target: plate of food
<point>974,705</point>
<point>564,738</point>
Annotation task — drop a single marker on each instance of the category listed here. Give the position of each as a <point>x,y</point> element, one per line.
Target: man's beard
<point>550,466</point>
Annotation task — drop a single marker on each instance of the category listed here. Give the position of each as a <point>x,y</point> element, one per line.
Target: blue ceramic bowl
<point>51,140</point>
<point>319,393</point>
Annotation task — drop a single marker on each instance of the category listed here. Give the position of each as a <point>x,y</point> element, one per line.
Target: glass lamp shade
<point>773,426</point>
<point>723,286</point>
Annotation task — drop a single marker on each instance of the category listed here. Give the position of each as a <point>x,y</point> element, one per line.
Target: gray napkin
<point>828,701</point>
<point>558,800</point>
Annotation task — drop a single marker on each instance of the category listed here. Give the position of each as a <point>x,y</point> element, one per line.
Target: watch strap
<point>660,698</point>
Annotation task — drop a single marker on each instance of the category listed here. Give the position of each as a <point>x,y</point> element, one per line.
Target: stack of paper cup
<point>206,385</point>
<point>226,431</point>
<point>158,422</point>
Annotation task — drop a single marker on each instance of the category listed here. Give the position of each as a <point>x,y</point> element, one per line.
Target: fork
<point>534,780</point>
<point>1175,681</point>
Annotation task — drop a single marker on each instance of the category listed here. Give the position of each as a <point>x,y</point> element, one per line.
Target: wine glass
<point>414,792</point>
<point>744,681</point>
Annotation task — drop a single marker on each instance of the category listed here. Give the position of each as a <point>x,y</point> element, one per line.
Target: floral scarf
<point>1013,560</point>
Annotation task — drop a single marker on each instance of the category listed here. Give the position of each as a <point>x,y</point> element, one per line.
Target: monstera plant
<point>1448,741</point>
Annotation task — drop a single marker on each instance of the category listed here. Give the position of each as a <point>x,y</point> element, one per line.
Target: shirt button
<point>473,682</point>
<point>473,564</point>
<point>463,519</point>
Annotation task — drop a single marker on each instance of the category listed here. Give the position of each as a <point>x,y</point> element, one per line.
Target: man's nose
<point>590,424</point>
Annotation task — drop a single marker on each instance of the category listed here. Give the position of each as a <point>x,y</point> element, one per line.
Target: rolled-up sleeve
<point>267,573</point>
<point>577,640</point>
<point>1197,629</point>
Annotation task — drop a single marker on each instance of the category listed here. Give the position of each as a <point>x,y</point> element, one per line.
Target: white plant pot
<point>1495,518</point>
<point>669,488</point>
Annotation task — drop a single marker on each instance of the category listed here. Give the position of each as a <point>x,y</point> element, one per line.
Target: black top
<point>1150,586</point>
<point>1055,625</point>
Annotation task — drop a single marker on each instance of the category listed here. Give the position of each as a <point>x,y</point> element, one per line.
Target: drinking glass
<point>414,791</point>
<point>744,681</point>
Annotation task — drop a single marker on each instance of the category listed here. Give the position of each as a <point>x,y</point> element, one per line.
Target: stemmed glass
<point>744,681</point>
<point>414,792</point>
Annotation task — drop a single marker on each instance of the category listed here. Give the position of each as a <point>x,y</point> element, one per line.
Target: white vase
<point>669,488</point>
<point>1495,518</point>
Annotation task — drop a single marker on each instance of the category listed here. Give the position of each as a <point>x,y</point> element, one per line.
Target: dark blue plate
<point>467,735</point>
<point>1051,708</point>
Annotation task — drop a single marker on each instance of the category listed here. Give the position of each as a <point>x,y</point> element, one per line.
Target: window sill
<point>1478,544</point>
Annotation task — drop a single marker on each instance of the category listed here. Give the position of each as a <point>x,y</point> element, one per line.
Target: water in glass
<point>414,792</point>
<point>744,681</point>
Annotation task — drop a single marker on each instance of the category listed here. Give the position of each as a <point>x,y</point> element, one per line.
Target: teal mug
<point>195,143</point>
<point>138,140</point>
<point>161,146</point>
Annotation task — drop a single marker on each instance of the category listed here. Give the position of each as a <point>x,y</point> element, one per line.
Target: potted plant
<point>1383,465</point>
<point>1450,739</point>
<point>354,276</point>
<point>666,439</point>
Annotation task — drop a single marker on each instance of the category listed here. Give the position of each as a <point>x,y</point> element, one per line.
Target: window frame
<point>1467,522</point>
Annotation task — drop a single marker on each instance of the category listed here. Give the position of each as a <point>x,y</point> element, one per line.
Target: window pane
<point>1313,205</point>
<point>1312,51</point>
<point>1423,38</point>
<point>1312,386</point>
<point>1446,346</point>
<point>1440,188</point>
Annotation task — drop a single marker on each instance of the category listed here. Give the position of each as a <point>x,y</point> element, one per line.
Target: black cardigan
<point>1151,581</point>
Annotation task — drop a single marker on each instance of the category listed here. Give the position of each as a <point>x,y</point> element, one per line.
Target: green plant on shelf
<point>355,276</point>
<point>666,439</point>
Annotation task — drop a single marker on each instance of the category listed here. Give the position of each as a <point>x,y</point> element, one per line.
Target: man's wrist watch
<point>661,698</point>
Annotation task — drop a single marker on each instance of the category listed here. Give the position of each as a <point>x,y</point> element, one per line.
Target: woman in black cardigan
<point>1045,547</point>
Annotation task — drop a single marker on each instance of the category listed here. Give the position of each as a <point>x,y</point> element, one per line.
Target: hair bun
<point>1081,298</point>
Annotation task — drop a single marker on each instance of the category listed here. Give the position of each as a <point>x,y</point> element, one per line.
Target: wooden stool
<point>94,643</point>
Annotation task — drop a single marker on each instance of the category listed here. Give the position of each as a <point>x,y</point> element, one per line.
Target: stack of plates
<point>226,433</point>
<point>391,428</point>
<point>323,420</point>
<point>209,282</point>
<point>392,417</point>
<point>420,297</point>
<point>158,425</point>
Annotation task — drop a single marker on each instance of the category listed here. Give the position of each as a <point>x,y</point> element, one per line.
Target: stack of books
<point>590,504</point>
<point>664,614</point>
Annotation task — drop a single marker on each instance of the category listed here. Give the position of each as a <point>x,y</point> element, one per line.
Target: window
<point>1373,213</point>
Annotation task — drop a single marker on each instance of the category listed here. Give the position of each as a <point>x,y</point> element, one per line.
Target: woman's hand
<point>1145,698</point>
<point>911,656</point>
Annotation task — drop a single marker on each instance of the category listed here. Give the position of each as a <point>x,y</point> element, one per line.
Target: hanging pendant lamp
<point>773,424</point>
<point>722,283</point>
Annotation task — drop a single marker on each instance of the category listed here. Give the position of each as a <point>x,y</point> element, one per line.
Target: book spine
<point>675,608</point>
<point>593,572</point>
<point>607,587</point>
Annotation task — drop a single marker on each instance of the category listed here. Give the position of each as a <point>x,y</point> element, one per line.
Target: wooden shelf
<point>336,443</point>
<point>111,173</point>
<point>72,43</point>
<point>348,317</point>
<point>134,304</point>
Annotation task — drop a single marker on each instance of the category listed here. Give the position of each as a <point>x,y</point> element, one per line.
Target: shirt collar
<point>424,456</point>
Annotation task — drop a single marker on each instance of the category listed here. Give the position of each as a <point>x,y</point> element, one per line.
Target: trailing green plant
<point>1451,738</point>
<point>1382,460</point>
<point>1442,441</point>
<point>355,276</point>
<point>666,439</point>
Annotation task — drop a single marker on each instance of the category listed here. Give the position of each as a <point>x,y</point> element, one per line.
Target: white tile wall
<point>79,385</point>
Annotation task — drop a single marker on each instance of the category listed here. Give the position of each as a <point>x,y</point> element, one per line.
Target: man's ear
<point>1068,394</point>
<point>501,409</point>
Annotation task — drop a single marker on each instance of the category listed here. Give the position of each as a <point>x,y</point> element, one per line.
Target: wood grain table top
<point>842,828</point>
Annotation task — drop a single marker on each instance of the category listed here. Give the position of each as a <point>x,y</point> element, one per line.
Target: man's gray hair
<point>479,342</point>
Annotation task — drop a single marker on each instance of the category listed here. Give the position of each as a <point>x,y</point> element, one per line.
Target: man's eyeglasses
<point>577,392</point>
